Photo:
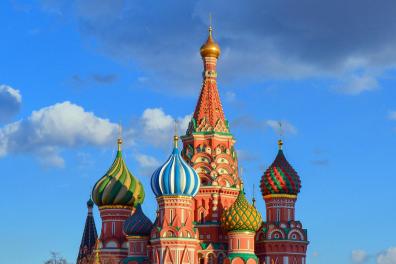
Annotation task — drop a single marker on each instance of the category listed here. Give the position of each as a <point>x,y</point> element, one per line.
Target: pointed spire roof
<point>89,237</point>
<point>209,115</point>
<point>209,107</point>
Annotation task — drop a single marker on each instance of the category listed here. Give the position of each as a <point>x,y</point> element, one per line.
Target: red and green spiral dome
<point>280,177</point>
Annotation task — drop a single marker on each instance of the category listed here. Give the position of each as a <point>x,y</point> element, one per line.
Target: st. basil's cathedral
<point>203,216</point>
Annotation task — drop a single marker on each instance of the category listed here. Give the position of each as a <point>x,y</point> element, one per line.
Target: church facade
<point>203,216</point>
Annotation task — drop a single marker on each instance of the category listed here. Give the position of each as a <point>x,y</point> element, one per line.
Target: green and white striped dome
<point>118,186</point>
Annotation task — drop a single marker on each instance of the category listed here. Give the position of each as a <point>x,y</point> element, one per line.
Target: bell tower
<point>208,146</point>
<point>174,239</point>
<point>281,239</point>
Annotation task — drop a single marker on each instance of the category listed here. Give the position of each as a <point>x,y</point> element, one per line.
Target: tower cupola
<point>241,216</point>
<point>138,224</point>
<point>210,48</point>
<point>280,177</point>
<point>118,186</point>
<point>175,176</point>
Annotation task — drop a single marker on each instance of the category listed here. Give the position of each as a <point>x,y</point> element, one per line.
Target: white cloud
<point>10,102</point>
<point>147,161</point>
<point>147,164</point>
<point>387,257</point>
<point>357,84</point>
<point>158,127</point>
<point>392,115</point>
<point>289,41</point>
<point>51,129</point>
<point>49,157</point>
<point>359,256</point>
<point>281,127</point>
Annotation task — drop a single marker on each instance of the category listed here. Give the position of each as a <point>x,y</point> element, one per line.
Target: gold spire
<point>210,48</point>
<point>280,144</point>
<point>119,140</point>
<point>175,137</point>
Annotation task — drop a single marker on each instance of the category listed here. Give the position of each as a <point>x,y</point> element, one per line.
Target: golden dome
<point>210,48</point>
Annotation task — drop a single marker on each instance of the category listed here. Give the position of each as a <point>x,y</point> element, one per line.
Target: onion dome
<point>241,216</point>
<point>175,176</point>
<point>138,224</point>
<point>280,177</point>
<point>210,48</point>
<point>118,186</point>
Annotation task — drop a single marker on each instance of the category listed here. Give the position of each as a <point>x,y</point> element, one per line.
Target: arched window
<point>202,218</point>
<point>171,216</point>
<point>210,259</point>
<point>220,259</point>
<point>112,228</point>
<point>201,259</point>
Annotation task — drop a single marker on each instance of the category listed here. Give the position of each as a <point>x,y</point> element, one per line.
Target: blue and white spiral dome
<point>175,177</point>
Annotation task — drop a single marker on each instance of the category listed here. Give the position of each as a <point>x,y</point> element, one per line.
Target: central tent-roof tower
<point>208,147</point>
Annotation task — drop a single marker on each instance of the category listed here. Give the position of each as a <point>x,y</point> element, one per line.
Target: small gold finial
<point>254,194</point>
<point>210,25</point>
<point>210,48</point>
<point>280,144</point>
<point>175,137</point>
<point>119,140</point>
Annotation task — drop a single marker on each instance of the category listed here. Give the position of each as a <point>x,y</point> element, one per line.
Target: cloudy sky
<point>72,70</point>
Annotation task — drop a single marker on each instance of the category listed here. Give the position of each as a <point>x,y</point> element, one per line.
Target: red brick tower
<point>281,239</point>
<point>137,229</point>
<point>209,147</point>
<point>241,221</point>
<point>174,239</point>
<point>116,194</point>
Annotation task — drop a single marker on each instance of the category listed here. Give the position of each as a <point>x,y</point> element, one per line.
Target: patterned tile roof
<point>280,177</point>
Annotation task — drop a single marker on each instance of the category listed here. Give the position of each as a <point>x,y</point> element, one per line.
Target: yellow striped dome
<point>118,186</point>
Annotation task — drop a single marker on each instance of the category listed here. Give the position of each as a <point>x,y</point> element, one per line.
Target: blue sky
<point>72,70</point>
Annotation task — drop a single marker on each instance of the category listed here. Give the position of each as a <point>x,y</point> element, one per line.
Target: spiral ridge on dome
<point>118,186</point>
<point>175,177</point>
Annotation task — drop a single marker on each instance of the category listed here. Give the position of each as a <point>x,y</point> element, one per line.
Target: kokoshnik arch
<point>203,216</point>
